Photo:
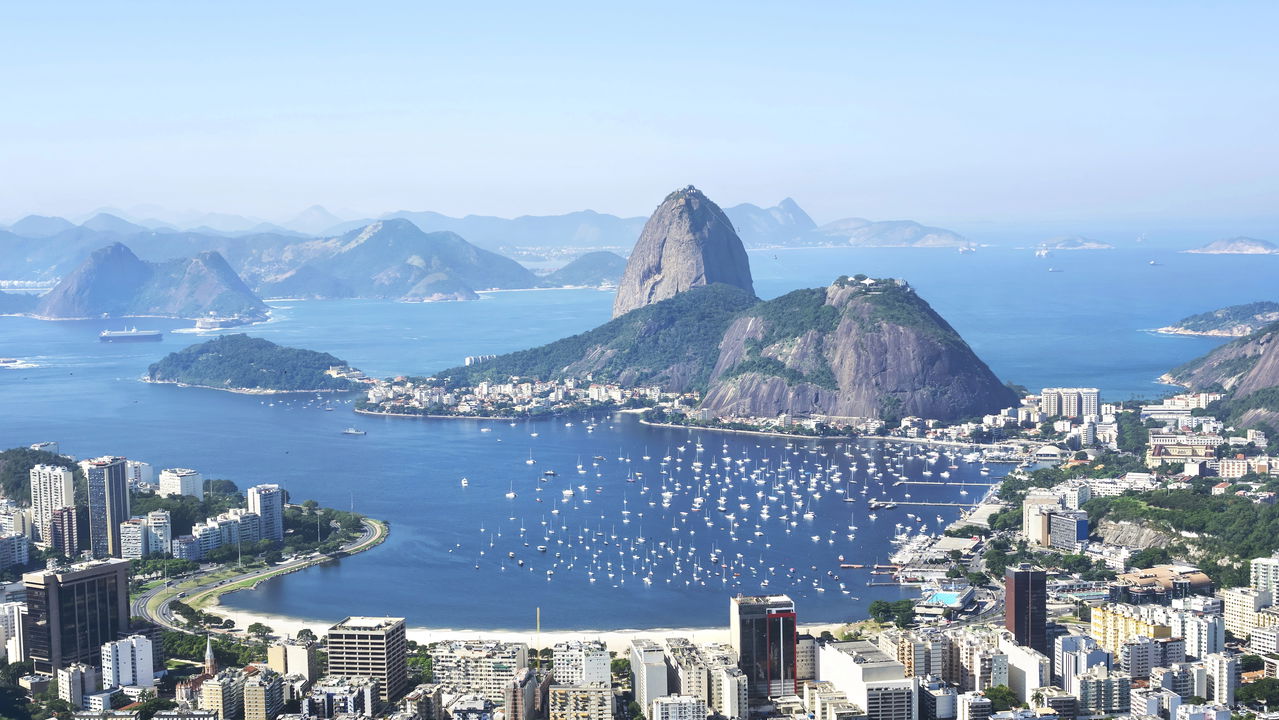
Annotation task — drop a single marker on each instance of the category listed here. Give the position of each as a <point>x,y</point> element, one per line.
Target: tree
<point>1001,698</point>
<point>1251,663</point>
<point>634,710</point>
<point>259,630</point>
<point>1264,691</point>
<point>620,666</point>
<point>306,635</point>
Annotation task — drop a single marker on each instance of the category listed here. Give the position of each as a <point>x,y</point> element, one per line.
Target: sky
<point>962,113</point>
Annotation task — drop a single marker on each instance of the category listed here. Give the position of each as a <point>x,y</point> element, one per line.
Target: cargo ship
<point>130,335</point>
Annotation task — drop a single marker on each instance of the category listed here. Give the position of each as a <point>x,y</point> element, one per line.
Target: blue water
<point>1081,326</point>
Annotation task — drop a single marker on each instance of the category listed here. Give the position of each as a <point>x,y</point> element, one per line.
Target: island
<point>1074,242</point>
<point>1232,321</point>
<point>243,364</point>
<point>1237,246</point>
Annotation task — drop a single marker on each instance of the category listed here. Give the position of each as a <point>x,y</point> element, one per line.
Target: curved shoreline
<point>243,391</point>
<point>437,417</point>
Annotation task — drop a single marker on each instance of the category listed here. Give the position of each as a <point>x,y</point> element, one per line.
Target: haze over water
<point>1080,326</point>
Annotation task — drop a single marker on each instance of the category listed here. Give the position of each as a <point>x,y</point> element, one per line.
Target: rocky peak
<point>687,242</point>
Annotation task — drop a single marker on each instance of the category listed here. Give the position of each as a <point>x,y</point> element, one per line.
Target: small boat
<point>353,431</point>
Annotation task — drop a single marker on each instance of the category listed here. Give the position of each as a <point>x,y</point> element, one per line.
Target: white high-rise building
<point>12,633</point>
<point>648,671</point>
<point>1070,402</point>
<point>581,662</point>
<point>677,707</point>
<point>159,531</point>
<point>52,487</point>
<point>1223,678</point>
<point>181,481</point>
<point>870,678</point>
<point>268,502</point>
<point>143,536</point>
<point>139,473</point>
<point>128,662</point>
<point>1265,574</point>
<point>478,667</point>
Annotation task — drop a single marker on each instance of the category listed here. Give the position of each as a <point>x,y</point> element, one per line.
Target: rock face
<point>687,242</point>
<point>860,348</point>
<point>114,282</point>
<point>1244,365</point>
<point>393,259</point>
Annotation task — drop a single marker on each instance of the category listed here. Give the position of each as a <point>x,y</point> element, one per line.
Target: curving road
<point>146,606</point>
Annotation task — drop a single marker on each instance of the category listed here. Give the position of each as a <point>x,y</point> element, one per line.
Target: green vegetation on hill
<point>15,472</point>
<point>239,362</point>
<point>1228,317</point>
<point>641,346</point>
<point>786,318</point>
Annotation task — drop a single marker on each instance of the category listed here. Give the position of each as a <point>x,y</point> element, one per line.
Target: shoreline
<point>437,417</point>
<point>242,391</point>
<point>877,438</point>
<point>1172,330</point>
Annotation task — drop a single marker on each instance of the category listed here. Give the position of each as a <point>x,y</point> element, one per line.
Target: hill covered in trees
<point>242,363</point>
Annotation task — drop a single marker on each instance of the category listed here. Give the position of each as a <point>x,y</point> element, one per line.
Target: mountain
<point>395,259</point>
<point>785,225</point>
<point>1074,242</point>
<point>859,348</point>
<point>40,226</point>
<point>889,233</point>
<point>1237,246</point>
<point>687,242</point>
<point>582,229</point>
<point>239,362</point>
<point>105,223</point>
<point>114,282</point>
<point>1232,321</point>
<point>672,343</point>
<point>589,270</point>
<point>17,303</point>
<point>1246,369</point>
<point>314,220</point>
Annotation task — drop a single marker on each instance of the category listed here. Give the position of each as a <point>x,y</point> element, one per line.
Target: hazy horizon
<point>997,116</point>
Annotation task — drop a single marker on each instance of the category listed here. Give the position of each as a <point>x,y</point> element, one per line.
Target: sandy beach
<point>617,640</point>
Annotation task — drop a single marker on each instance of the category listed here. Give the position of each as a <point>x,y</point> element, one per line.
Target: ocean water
<point>1083,325</point>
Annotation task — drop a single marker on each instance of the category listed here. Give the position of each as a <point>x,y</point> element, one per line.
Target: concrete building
<point>1103,692</point>
<point>143,536</point>
<point>1154,702</point>
<point>15,550</point>
<point>75,681</point>
<point>108,503</point>
<point>522,696</point>
<point>52,487</point>
<point>1203,712</point>
<point>223,694</point>
<point>482,668</point>
<point>1070,402</point>
<point>762,630</point>
<point>268,502</point>
<point>293,657</point>
<point>13,618</point>
<point>65,529</point>
<point>181,481</point>
<point>129,661</point>
<point>870,678</point>
<point>1244,609</point>
<point>1028,669</point>
<point>1025,606</point>
<point>581,662</point>
<point>582,702</point>
<point>263,693</point>
<point>335,695</point>
<point>371,647</point>
<point>676,707</point>
<point>1222,673</point>
<point>973,705</point>
<point>72,612</point>
<point>648,671</point>
<point>1112,625</point>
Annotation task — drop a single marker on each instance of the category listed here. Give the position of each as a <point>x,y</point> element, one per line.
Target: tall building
<point>1223,678</point>
<point>108,503</point>
<point>263,695</point>
<point>143,536</point>
<point>128,662</point>
<point>1026,606</point>
<point>521,697</point>
<point>973,705</point>
<point>13,618</point>
<point>371,647</point>
<point>224,694</point>
<point>763,633</point>
<point>1265,573</point>
<point>52,488</point>
<point>293,657</point>
<point>581,662</point>
<point>1070,402</point>
<point>64,527</point>
<point>870,678</point>
<point>648,671</point>
<point>478,667</point>
<point>268,502</point>
<point>73,612</point>
<point>181,481</point>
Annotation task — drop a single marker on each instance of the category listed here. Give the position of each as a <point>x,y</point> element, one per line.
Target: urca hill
<point>686,318</point>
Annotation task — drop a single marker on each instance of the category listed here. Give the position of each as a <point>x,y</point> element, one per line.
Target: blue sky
<point>962,113</point>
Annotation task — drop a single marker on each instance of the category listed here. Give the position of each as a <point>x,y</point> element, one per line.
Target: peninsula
<point>1232,321</point>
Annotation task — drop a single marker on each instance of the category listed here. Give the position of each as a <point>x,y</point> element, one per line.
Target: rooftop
<point>368,623</point>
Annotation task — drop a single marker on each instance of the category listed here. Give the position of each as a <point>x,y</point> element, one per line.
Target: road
<point>153,604</point>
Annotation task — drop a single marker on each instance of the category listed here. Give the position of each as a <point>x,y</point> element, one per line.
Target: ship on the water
<point>130,335</point>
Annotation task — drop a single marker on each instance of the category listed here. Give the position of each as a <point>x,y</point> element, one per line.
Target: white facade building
<point>52,487</point>
<point>128,662</point>
<point>181,481</point>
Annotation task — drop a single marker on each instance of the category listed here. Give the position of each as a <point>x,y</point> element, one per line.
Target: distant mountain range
<point>1232,321</point>
<point>1247,370</point>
